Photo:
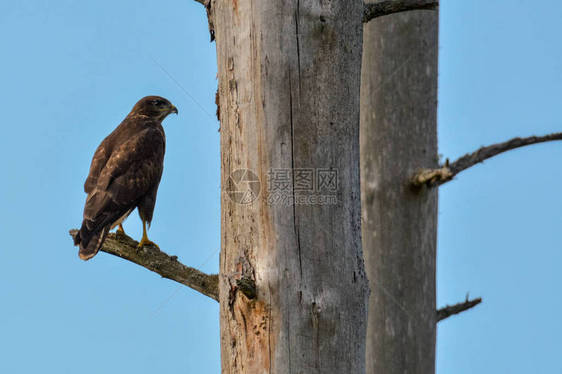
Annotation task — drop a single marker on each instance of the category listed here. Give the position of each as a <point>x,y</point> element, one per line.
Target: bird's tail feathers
<point>90,242</point>
<point>100,213</point>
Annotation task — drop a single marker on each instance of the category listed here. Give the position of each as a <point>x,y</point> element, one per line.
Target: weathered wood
<point>289,76</point>
<point>399,137</point>
<point>161,263</point>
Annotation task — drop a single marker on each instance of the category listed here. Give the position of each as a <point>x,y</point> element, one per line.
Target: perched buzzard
<point>124,175</point>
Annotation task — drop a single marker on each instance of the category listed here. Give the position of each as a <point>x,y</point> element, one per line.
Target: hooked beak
<point>173,109</point>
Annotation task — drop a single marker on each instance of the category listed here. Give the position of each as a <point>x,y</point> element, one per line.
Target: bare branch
<point>448,311</point>
<point>384,8</point>
<point>436,177</point>
<point>167,266</point>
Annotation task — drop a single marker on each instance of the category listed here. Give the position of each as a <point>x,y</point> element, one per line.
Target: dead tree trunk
<point>289,77</point>
<point>292,286</point>
<point>399,137</point>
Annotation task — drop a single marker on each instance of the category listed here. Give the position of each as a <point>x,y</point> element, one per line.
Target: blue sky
<point>71,70</point>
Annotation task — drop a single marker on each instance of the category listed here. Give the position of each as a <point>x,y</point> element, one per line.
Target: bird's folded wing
<point>132,170</point>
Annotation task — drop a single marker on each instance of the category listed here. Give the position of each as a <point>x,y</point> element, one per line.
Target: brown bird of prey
<point>125,174</point>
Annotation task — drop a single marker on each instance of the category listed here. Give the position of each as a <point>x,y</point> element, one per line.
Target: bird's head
<point>154,106</point>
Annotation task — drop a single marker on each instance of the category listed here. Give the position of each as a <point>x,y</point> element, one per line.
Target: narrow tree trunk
<point>289,77</point>
<point>399,136</point>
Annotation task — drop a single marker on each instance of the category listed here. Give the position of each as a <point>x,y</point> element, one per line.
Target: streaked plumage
<point>125,174</point>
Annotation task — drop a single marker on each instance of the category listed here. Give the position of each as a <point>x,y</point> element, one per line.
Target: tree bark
<point>289,77</point>
<point>399,137</point>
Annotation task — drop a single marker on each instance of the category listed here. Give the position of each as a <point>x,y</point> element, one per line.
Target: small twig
<point>207,5</point>
<point>210,18</point>
<point>161,263</point>
<point>448,311</point>
<point>436,177</point>
<point>384,8</point>
<point>432,177</point>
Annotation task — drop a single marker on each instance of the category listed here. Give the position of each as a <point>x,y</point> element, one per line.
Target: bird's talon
<point>144,242</point>
<point>120,231</point>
